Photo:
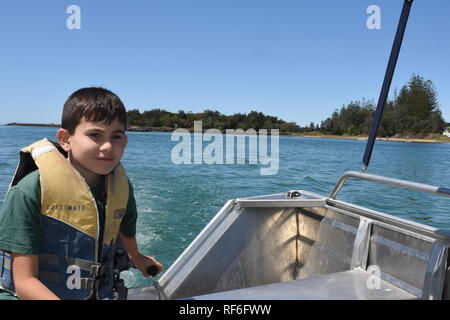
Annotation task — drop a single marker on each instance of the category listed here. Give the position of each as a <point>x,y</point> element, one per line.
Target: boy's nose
<point>106,146</point>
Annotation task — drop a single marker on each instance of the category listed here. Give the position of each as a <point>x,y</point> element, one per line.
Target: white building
<point>446,132</point>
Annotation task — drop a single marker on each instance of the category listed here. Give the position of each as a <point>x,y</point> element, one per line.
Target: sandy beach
<point>442,139</point>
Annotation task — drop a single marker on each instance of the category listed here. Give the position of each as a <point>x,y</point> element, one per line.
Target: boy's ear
<point>63,139</point>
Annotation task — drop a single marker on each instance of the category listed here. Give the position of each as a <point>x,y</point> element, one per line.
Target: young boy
<point>68,205</point>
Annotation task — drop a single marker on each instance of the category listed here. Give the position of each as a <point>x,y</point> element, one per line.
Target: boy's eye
<point>117,137</point>
<point>94,135</point>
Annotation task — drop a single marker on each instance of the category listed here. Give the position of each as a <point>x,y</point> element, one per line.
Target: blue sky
<point>294,59</point>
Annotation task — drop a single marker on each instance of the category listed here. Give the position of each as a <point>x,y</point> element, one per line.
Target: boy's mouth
<point>105,159</point>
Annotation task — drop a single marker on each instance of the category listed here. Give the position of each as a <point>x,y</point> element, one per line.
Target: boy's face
<point>95,148</point>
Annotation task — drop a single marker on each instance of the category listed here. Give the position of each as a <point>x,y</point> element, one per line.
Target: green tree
<point>417,108</point>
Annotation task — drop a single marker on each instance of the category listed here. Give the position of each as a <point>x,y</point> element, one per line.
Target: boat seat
<point>354,284</point>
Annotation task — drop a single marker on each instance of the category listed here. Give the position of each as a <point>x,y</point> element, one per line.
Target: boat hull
<point>274,240</point>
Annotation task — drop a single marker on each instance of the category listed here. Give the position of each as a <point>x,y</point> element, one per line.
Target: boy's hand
<point>142,263</point>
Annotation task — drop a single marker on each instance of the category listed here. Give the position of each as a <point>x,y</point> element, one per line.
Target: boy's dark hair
<point>94,104</point>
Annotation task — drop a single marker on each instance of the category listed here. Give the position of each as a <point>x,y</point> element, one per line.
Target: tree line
<point>159,118</point>
<point>414,110</point>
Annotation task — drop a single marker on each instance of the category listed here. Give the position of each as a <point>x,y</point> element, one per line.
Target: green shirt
<point>20,230</point>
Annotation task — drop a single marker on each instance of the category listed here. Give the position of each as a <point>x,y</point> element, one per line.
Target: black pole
<point>387,82</point>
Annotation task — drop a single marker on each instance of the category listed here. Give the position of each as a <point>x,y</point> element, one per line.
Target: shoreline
<point>365,138</point>
<point>17,124</point>
<point>441,139</point>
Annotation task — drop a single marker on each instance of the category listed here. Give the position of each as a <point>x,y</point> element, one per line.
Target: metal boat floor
<point>355,284</point>
<point>143,293</point>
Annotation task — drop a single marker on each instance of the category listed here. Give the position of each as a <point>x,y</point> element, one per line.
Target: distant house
<point>447,132</point>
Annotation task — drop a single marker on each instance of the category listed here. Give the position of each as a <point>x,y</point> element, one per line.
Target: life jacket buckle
<point>98,270</point>
<point>89,283</point>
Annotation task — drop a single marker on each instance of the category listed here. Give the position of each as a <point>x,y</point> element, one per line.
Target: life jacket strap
<point>48,276</point>
<point>7,260</point>
<point>95,269</point>
<point>85,283</point>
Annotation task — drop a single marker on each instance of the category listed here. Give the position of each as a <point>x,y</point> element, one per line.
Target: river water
<point>175,201</point>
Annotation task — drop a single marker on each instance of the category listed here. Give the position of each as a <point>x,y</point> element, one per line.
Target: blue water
<point>176,201</point>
